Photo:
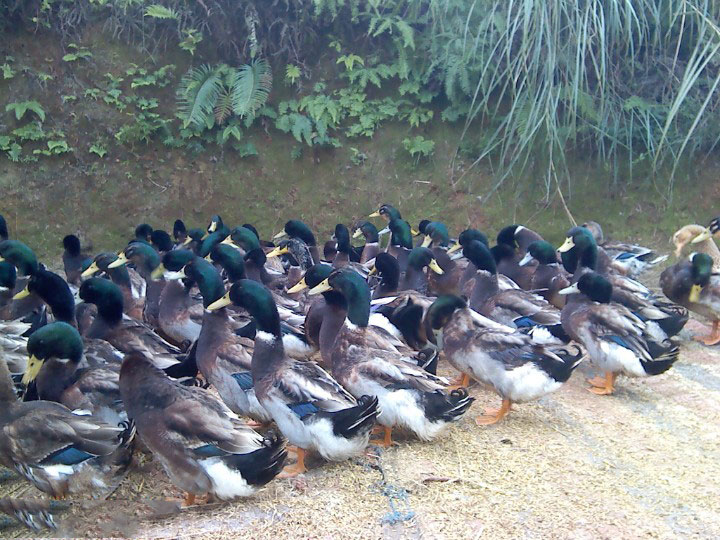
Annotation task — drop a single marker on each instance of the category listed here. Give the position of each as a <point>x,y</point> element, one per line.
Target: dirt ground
<point>641,463</point>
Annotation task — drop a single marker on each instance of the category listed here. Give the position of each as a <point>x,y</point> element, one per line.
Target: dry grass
<point>641,463</point>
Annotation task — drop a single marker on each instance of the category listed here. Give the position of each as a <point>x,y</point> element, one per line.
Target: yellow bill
<point>414,232</point>
<point>120,261</point>
<point>705,235</point>
<point>213,227</point>
<point>299,286</point>
<point>22,294</point>
<point>277,252</point>
<point>456,247</point>
<point>221,303</point>
<point>187,241</point>
<point>357,233</point>
<point>372,271</point>
<point>376,213</point>
<point>426,241</point>
<point>695,291</point>
<point>567,245</point>
<point>281,234</point>
<point>2,260</point>
<point>321,288</point>
<point>229,242</point>
<point>158,272</point>
<point>33,368</point>
<point>90,270</point>
<point>208,258</point>
<point>435,267</point>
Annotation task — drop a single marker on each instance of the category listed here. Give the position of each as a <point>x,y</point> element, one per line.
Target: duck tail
<point>33,513</point>
<point>663,357</point>
<point>357,420</point>
<point>262,465</point>
<point>676,319</point>
<point>561,371</point>
<point>440,405</point>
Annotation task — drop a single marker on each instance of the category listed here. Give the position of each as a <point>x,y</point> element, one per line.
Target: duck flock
<point>220,354</point>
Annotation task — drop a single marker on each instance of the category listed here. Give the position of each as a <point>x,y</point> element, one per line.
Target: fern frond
<point>197,95</point>
<point>223,108</point>
<point>251,88</point>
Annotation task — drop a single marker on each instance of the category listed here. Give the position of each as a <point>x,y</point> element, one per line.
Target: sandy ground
<point>641,463</point>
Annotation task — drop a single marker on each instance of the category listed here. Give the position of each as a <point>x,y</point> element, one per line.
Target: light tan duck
<point>696,239</point>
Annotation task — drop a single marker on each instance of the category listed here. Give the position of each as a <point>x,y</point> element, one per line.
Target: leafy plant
<point>54,148</point>
<point>98,148</point>
<point>79,53</point>
<point>22,107</point>
<point>419,147</point>
<point>7,71</point>
<point>292,73</point>
<point>192,38</point>
<point>158,11</point>
<point>32,131</point>
<point>349,61</point>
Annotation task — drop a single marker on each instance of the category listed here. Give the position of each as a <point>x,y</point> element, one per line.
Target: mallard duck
<point>693,284</point>
<point>512,307</point>
<point>179,233</point>
<point>549,277</point>
<point>54,291</point>
<point>193,239</point>
<point>518,238</point>
<point>125,334</point>
<point>372,240</point>
<point>255,257</point>
<point>33,513</point>
<point>161,241</point>
<point>698,240</point>
<point>512,245</point>
<point>131,284</point>
<point>628,259</point>
<point>73,259</point>
<point>345,254</point>
<point>387,269</point>
<point>297,229</point>
<point>311,409</point>
<point>202,445</point>
<point>59,451</point>
<point>401,242</point>
<point>19,255</point>
<point>466,281</point>
<point>518,369</point>
<point>145,259</point>
<point>223,357</point>
<point>81,376</point>
<point>216,225</point>
<point>180,315</point>
<point>143,233</point>
<point>409,397</point>
<point>614,338</point>
<point>663,319</point>
<point>415,278</point>
<point>437,238</point>
<point>296,259</point>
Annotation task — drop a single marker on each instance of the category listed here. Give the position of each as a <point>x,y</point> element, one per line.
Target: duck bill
<point>299,286</point>
<point>526,259</point>
<point>158,272</point>
<point>386,230</point>
<point>426,241</point>
<point>567,245</point>
<point>358,233</point>
<point>321,288</point>
<point>187,241</point>
<point>221,303</point>
<point>22,294</point>
<point>208,258</point>
<point>414,232</point>
<point>572,289</point>
<point>120,261</point>
<point>277,252</point>
<point>229,242</point>
<point>2,259</point>
<point>376,213</point>
<point>705,235</point>
<point>212,227</point>
<point>33,368</point>
<point>372,271</point>
<point>695,291</point>
<point>90,270</point>
<point>281,234</point>
<point>455,248</point>
<point>435,267</point>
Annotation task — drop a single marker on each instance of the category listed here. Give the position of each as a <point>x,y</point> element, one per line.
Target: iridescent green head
<point>20,255</point>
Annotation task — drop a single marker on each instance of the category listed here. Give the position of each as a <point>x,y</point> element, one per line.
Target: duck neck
<point>7,389</point>
<point>486,285</point>
<point>415,280</point>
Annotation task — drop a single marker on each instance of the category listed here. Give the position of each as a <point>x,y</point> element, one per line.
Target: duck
<point>518,369</point>
<point>143,233</point>
<point>613,337</point>
<point>54,291</point>
<point>692,283</point>
<point>345,253</point>
<point>179,233</point>
<point>131,284</point>
<point>255,258</point>
<point>512,307</point>
<point>372,240</point>
<point>223,357</point>
<point>696,238</point>
<point>387,269</point>
<point>437,238</point>
<point>310,408</point>
<point>125,334</point>
<point>415,278</point>
<point>145,259</point>
<point>401,241</point>
<point>296,259</point>
<point>409,397</point>
<point>73,259</point>
<point>297,229</point>
<point>216,225</point>
<point>35,514</point>
<point>61,452</point>
<point>20,255</point>
<point>628,259</point>
<point>161,241</point>
<point>517,237</point>
<point>80,375</point>
<point>204,448</point>
<point>13,338</point>
<point>662,319</point>
<point>193,239</point>
<point>549,277</point>
<point>512,245</point>
<point>466,281</point>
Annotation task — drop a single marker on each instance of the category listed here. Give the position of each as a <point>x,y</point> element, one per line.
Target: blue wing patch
<point>67,456</point>
<point>524,322</point>
<point>625,255</point>
<point>303,409</point>
<point>208,451</point>
<point>620,341</point>
<point>244,379</point>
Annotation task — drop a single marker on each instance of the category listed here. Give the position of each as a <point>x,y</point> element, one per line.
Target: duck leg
<point>386,441</point>
<point>714,337</point>
<point>461,382</point>
<point>493,416</point>
<point>189,499</point>
<point>606,386</point>
<point>298,468</point>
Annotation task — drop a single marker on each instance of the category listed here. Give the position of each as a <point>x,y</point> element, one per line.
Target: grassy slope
<point>104,198</point>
